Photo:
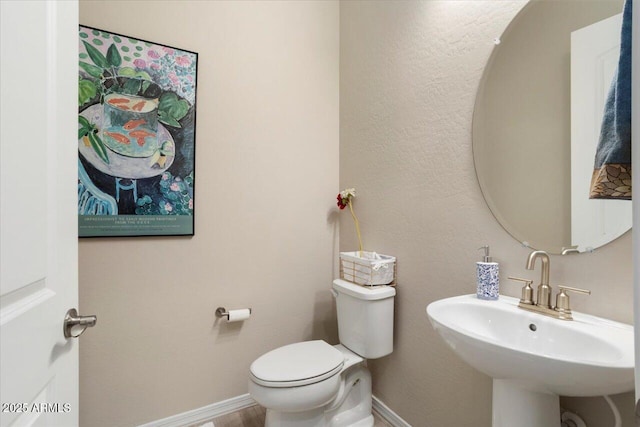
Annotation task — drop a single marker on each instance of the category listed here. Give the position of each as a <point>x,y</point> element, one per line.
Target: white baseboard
<point>205,413</point>
<point>237,403</point>
<point>387,414</point>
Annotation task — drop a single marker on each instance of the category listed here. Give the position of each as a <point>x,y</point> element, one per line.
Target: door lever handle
<point>72,319</point>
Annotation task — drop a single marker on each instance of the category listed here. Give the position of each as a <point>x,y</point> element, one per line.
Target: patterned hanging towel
<point>612,169</point>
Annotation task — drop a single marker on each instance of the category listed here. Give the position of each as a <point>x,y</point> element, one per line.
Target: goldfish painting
<point>118,101</point>
<point>132,124</point>
<point>118,137</point>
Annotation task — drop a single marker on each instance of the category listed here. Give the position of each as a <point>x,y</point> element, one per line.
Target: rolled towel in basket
<point>378,265</point>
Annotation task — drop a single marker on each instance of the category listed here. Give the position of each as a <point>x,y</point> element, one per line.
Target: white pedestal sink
<point>533,359</point>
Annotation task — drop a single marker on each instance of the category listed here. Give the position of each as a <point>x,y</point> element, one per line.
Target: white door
<point>38,231</point>
<point>594,57</point>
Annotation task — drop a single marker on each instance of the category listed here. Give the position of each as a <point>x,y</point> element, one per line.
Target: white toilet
<point>315,384</point>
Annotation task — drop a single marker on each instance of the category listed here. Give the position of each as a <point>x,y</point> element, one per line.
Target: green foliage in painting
<point>92,70</point>
<point>89,133</point>
<point>113,56</point>
<point>96,56</point>
<point>172,109</point>
<point>87,90</point>
<point>106,71</point>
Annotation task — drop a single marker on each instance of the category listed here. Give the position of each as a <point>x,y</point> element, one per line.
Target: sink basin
<point>534,358</point>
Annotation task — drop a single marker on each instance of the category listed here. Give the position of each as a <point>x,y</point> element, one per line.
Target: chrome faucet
<point>544,290</point>
<point>562,310</point>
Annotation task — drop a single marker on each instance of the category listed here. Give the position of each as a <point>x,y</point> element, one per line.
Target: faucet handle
<point>562,300</point>
<point>527,290</point>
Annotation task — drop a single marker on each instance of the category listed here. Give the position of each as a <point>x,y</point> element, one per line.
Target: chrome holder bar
<point>222,312</point>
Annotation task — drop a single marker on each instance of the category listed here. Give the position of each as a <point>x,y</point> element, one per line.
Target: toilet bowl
<point>297,377</point>
<point>315,384</point>
<point>316,389</point>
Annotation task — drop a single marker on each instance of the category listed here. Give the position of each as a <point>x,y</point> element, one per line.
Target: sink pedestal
<point>514,405</point>
<point>532,358</point>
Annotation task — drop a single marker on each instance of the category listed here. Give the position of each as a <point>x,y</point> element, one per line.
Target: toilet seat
<point>297,364</point>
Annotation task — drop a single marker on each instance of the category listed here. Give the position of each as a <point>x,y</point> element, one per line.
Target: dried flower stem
<point>355,219</point>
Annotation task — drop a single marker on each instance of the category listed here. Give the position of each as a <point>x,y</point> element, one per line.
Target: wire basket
<point>368,268</point>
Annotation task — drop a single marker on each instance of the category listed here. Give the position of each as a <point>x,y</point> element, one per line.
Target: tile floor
<point>253,416</point>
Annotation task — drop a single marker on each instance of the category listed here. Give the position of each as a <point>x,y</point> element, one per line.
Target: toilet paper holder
<point>223,312</point>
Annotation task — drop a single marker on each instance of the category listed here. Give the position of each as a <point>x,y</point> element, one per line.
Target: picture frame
<point>136,136</point>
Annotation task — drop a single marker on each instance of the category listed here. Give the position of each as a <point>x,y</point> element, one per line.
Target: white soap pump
<point>487,277</point>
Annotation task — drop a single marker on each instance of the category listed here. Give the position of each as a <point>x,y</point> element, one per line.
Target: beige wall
<point>409,72</point>
<point>267,175</point>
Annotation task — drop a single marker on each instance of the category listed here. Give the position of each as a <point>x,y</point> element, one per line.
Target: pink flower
<point>155,65</point>
<point>165,176</point>
<point>174,187</point>
<point>190,203</point>
<point>183,60</point>
<point>174,78</point>
<point>168,50</point>
<point>140,63</point>
<point>168,207</point>
<point>153,54</point>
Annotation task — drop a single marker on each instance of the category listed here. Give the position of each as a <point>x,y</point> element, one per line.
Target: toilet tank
<point>365,318</point>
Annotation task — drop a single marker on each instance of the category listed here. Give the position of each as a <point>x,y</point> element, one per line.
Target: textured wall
<point>267,174</point>
<point>409,72</point>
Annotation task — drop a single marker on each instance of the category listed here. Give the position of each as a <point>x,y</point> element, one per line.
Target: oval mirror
<point>536,126</point>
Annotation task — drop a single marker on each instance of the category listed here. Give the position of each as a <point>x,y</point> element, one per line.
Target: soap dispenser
<point>488,277</point>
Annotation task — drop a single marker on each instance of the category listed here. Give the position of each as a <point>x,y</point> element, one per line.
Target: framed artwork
<point>136,136</point>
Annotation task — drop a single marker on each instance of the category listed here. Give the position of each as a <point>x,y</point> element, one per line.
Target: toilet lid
<point>297,364</point>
